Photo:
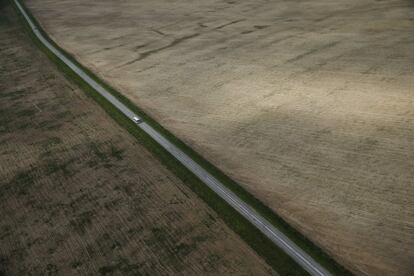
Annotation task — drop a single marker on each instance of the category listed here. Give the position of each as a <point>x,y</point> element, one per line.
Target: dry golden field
<point>79,195</point>
<point>308,104</point>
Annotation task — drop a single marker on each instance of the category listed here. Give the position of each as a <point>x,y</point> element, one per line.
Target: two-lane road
<point>278,238</point>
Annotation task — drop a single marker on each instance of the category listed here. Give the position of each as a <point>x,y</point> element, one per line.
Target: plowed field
<point>80,196</point>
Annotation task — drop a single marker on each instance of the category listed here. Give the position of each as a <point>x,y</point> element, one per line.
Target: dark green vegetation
<point>273,255</point>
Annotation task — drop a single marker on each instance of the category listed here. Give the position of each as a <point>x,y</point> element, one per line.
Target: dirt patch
<point>79,195</point>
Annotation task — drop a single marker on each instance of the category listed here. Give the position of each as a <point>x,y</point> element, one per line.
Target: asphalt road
<point>278,238</point>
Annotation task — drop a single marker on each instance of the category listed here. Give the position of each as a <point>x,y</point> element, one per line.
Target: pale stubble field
<point>309,105</point>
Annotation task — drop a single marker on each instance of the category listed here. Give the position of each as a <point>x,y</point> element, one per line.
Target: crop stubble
<point>309,105</point>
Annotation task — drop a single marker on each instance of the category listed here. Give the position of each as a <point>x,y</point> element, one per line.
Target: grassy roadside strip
<point>272,254</point>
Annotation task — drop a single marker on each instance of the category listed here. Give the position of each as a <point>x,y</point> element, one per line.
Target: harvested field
<point>309,105</point>
<point>80,196</point>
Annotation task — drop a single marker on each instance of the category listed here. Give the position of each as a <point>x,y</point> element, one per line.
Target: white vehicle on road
<point>136,120</point>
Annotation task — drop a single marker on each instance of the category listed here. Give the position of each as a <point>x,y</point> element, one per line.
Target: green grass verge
<point>273,255</point>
